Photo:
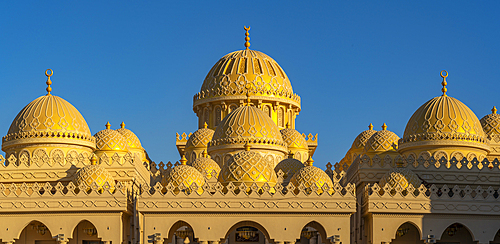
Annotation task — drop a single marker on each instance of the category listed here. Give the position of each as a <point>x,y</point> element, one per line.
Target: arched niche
<point>35,231</point>
<point>456,233</point>
<point>180,233</point>
<point>85,232</point>
<point>407,233</point>
<point>313,232</point>
<point>247,232</point>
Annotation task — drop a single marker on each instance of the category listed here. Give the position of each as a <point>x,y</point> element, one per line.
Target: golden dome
<point>310,175</point>
<point>248,167</point>
<point>400,176</point>
<point>362,138</point>
<point>289,167</point>
<point>382,141</point>
<point>200,138</point>
<point>111,140</point>
<point>94,173</point>
<point>132,140</point>
<point>206,164</point>
<point>48,119</point>
<point>491,125</point>
<point>293,139</point>
<point>183,176</point>
<point>247,124</point>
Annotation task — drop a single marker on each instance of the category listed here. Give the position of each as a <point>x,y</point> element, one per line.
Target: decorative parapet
<point>312,142</point>
<point>263,94</point>
<point>180,142</point>
<point>421,200</point>
<point>214,196</point>
<point>48,198</point>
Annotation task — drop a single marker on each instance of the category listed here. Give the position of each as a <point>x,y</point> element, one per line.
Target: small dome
<point>491,125</point>
<point>293,139</point>
<point>183,176</point>
<point>132,140</point>
<point>382,141</point>
<point>248,124</point>
<point>94,174</point>
<point>362,138</point>
<point>311,175</point>
<point>248,167</point>
<point>289,166</point>
<point>206,164</point>
<point>200,138</point>
<point>111,140</point>
<point>400,176</point>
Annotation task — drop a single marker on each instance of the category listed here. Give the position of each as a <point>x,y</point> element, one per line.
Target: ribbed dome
<point>132,140</point>
<point>94,173</point>
<point>111,140</point>
<point>491,126</point>
<point>311,175</point>
<point>293,139</point>
<point>362,138</point>
<point>400,176</point>
<point>441,120</point>
<point>289,167</point>
<point>200,138</point>
<point>231,74</point>
<point>248,167</point>
<point>208,165</point>
<point>183,176</point>
<point>382,141</point>
<point>247,124</point>
<point>49,119</point>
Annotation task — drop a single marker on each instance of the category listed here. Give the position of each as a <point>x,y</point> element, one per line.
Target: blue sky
<point>352,62</point>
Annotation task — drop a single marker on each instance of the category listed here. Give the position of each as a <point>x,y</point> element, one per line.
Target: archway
<point>456,234</point>
<point>496,239</point>
<point>36,232</point>
<point>313,233</point>
<point>85,233</point>
<point>407,233</point>
<point>247,232</point>
<point>181,233</point>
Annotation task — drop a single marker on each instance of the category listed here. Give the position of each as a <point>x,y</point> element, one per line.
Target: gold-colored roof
<point>289,167</point>
<point>311,175</point>
<point>200,138</point>
<point>248,167</point>
<point>110,140</point>
<point>362,138</point>
<point>132,140</point>
<point>183,176</point>
<point>94,173</point>
<point>382,141</point>
<point>49,119</point>
<point>205,164</point>
<point>247,124</point>
<point>400,177</point>
<point>293,139</point>
<point>491,125</point>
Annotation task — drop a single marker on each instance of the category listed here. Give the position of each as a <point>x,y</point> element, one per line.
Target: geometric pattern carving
<point>131,139</point>
<point>109,139</point>
<point>312,177</point>
<point>289,167</point>
<point>362,138</point>
<point>94,175</point>
<point>207,165</point>
<point>402,177</point>
<point>248,167</point>
<point>491,126</point>
<point>200,138</point>
<point>382,141</point>
<point>293,139</point>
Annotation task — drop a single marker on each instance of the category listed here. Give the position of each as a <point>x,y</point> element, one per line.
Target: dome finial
<point>287,125</point>
<point>108,126</point>
<point>290,154</point>
<point>370,126</point>
<point>49,82</point>
<point>205,125</point>
<point>310,161</point>
<point>247,38</point>
<point>247,146</point>
<point>93,160</point>
<point>248,86</point>
<point>122,124</point>
<point>183,160</point>
<point>205,154</point>
<point>444,83</point>
<point>494,110</point>
<point>384,127</point>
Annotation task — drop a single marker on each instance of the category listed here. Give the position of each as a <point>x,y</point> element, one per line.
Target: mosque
<point>246,175</point>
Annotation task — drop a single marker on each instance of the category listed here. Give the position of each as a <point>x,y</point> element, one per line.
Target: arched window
<point>267,110</point>
<point>206,116</point>
<point>281,117</point>
<point>218,115</point>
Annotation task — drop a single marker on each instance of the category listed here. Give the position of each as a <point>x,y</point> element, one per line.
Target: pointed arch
<point>407,232</point>
<point>86,227</point>
<point>176,226</point>
<point>457,232</point>
<point>248,223</point>
<point>38,228</point>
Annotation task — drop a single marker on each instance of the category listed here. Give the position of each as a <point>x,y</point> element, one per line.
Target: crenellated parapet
<point>312,142</point>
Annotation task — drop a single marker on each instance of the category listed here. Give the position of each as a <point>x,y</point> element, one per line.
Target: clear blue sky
<point>352,62</point>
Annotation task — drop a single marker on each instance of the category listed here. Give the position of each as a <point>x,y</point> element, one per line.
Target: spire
<point>384,127</point>
<point>49,82</point>
<point>247,146</point>
<point>247,38</point>
<point>494,110</point>
<point>444,83</point>
<point>205,154</point>
<point>122,125</point>
<point>183,160</point>
<point>93,160</point>
<point>108,126</point>
<point>309,161</point>
<point>370,126</point>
